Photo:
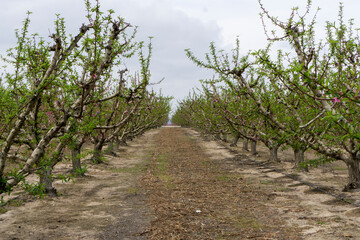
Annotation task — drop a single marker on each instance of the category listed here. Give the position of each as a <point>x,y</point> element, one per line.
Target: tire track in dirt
<point>196,197</point>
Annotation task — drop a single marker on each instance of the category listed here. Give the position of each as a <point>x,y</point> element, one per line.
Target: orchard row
<point>55,97</point>
<point>307,98</point>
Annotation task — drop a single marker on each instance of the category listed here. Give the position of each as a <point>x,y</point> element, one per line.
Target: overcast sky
<point>175,25</point>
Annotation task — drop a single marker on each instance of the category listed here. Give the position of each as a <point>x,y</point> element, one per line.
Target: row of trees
<point>59,95</point>
<point>307,98</point>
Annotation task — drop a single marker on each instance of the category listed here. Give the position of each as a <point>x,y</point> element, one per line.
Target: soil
<point>105,204</point>
<point>171,183</point>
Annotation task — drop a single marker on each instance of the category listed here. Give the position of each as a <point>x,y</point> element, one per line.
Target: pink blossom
<point>336,100</point>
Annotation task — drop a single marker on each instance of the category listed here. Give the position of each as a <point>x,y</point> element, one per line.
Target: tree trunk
<point>76,157</point>
<point>253,148</point>
<point>274,154</point>
<point>236,139</point>
<point>299,159</point>
<point>354,174</point>
<point>110,149</point>
<point>224,137</point>
<point>116,145</point>
<point>13,133</point>
<point>76,161</point>
<point>46,181</point>
<point>245,145</point>
<point>97,155</point>
<point>123,142</point>
<point>38,152</point>
<point>218,136</point>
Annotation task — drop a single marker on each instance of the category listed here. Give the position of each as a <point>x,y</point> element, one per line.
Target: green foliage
<point>3,210</point>
<point>80,171</point>
<point>316,162</point>
<point>65,178</point>
<point>3,187</point>
<point>305,98</point>
<point>67,91</point>
<point>34,189</point>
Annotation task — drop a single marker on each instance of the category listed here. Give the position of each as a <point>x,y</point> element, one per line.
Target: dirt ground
<point>171,183</point>
<point>318,215</point>
<point>105,204</point>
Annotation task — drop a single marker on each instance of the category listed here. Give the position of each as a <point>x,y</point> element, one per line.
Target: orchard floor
<point>171,183</point>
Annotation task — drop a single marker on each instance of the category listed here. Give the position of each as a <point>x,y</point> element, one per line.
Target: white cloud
<point>175,25</point>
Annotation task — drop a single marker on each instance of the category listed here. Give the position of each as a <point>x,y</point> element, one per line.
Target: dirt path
<point>195,196</point>
<point>172,184</point>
